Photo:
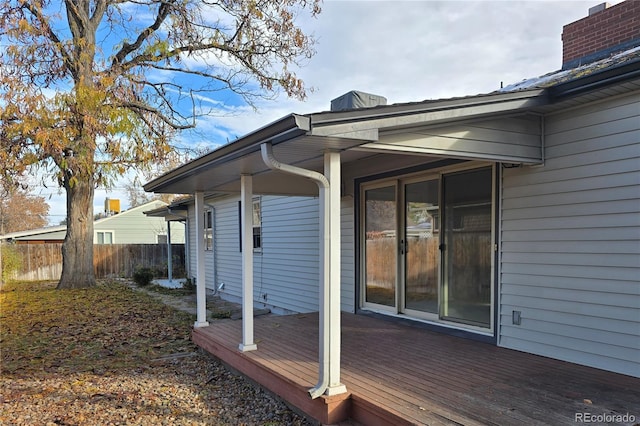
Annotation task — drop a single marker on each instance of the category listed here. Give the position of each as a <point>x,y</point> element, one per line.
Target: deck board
<point>401,374</point>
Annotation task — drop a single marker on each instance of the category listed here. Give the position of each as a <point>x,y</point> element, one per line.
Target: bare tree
<point>91,88</point>
<point>20,211</point>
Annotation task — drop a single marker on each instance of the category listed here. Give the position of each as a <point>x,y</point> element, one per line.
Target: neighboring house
<point>511,217</point>
<point>128,227</point>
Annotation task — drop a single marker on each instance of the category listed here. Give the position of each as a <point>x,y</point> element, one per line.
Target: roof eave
<point>410,108</point>
<point>597,80</point>
<point>285,128</point>
<point>433,112</point>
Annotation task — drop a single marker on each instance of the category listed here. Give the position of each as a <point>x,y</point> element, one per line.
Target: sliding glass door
<point>380,246</point>
<point>420,245</point>
<point>467,248</point>
<point>427,247</point>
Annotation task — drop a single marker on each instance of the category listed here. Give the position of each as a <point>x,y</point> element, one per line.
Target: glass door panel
<point>466,284</point>
<point>381,244</point>
<point>421,246</point>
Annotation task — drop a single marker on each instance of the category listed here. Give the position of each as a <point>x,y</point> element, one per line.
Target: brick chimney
<point>607,30</point>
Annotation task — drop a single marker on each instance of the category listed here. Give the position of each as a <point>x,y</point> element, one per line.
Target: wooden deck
<point>399,374</point>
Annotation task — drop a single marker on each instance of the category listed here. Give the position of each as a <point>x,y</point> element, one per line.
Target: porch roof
<point>169,213</point>
<point>301,140</point>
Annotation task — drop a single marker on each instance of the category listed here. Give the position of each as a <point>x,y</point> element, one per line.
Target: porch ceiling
<point>167,213</point>
<point>223,175</point>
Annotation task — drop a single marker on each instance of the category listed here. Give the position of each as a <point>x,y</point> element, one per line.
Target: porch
<point>400,374</point>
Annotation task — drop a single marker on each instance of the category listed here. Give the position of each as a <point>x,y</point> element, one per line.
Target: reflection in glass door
<point>466,295</point>
<point>420,246</point>
<point>380,251</point>
<point>427,247</point>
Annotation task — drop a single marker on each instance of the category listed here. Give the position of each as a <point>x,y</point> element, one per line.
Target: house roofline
<point>131,210</point>
<point>37,231</point>
<point>334,123</point>
<point>365,123</point>
<point>278,131</point>
<point>620,73</point>
<point>52,229</point>
<point>410,108</point>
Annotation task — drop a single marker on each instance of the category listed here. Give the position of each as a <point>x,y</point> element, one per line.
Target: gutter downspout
<point>324,384</point>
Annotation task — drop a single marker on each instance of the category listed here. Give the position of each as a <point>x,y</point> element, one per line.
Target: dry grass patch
<point>100,329</point>
<point>113,355</point>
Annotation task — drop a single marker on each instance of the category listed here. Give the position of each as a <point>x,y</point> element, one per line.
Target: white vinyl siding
<point>288,269</point>
<point>570,241</point>
<point>134,227</point>
<point>211,277</point>
<point>514,139</point>
<point>226,236</point>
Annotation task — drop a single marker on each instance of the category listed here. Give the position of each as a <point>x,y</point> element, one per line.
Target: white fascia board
<point>430,113</point>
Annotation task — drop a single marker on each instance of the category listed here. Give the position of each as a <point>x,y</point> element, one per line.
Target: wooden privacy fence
<point>469,262</point>
<point>44,261</point>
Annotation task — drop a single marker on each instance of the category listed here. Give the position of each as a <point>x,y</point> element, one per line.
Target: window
<point>104,237</point>
<point>257,224</point>
<point>162,239</point>
<point>208,230</point>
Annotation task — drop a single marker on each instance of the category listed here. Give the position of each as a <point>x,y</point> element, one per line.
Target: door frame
<point>397,179</point>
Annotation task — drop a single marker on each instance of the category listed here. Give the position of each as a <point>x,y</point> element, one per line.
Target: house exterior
<point>511,218</point>
<point>128,227</point>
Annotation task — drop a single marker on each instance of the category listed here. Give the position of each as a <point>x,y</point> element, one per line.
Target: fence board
<point>44,261</point>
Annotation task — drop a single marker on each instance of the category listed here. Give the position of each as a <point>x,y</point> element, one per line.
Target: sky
<point>406,51</point>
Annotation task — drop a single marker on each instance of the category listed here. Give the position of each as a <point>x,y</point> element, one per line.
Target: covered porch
<point>401,374</point>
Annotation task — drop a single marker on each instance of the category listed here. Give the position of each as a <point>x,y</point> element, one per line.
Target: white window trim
<point>103,231</point>
<point>208,214</point>
<point>258,201</point>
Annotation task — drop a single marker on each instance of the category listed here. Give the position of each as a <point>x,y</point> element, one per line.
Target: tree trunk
<point>77,249</point>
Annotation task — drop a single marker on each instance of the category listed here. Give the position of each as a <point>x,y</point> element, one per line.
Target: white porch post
<point>201,291</point>
<point>329,337</point>
<point>169,253</point>
<point>246,204</point>
<point>332,292</point>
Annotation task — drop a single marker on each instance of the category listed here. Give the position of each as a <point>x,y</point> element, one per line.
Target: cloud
<point>408,51</point>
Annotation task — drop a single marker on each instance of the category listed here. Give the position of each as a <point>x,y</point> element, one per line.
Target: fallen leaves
<point>107,327</point>
<point>113,355</point>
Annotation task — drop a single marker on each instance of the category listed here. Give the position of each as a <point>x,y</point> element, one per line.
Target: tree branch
<point>51,35</point>
<point>127,48</point>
